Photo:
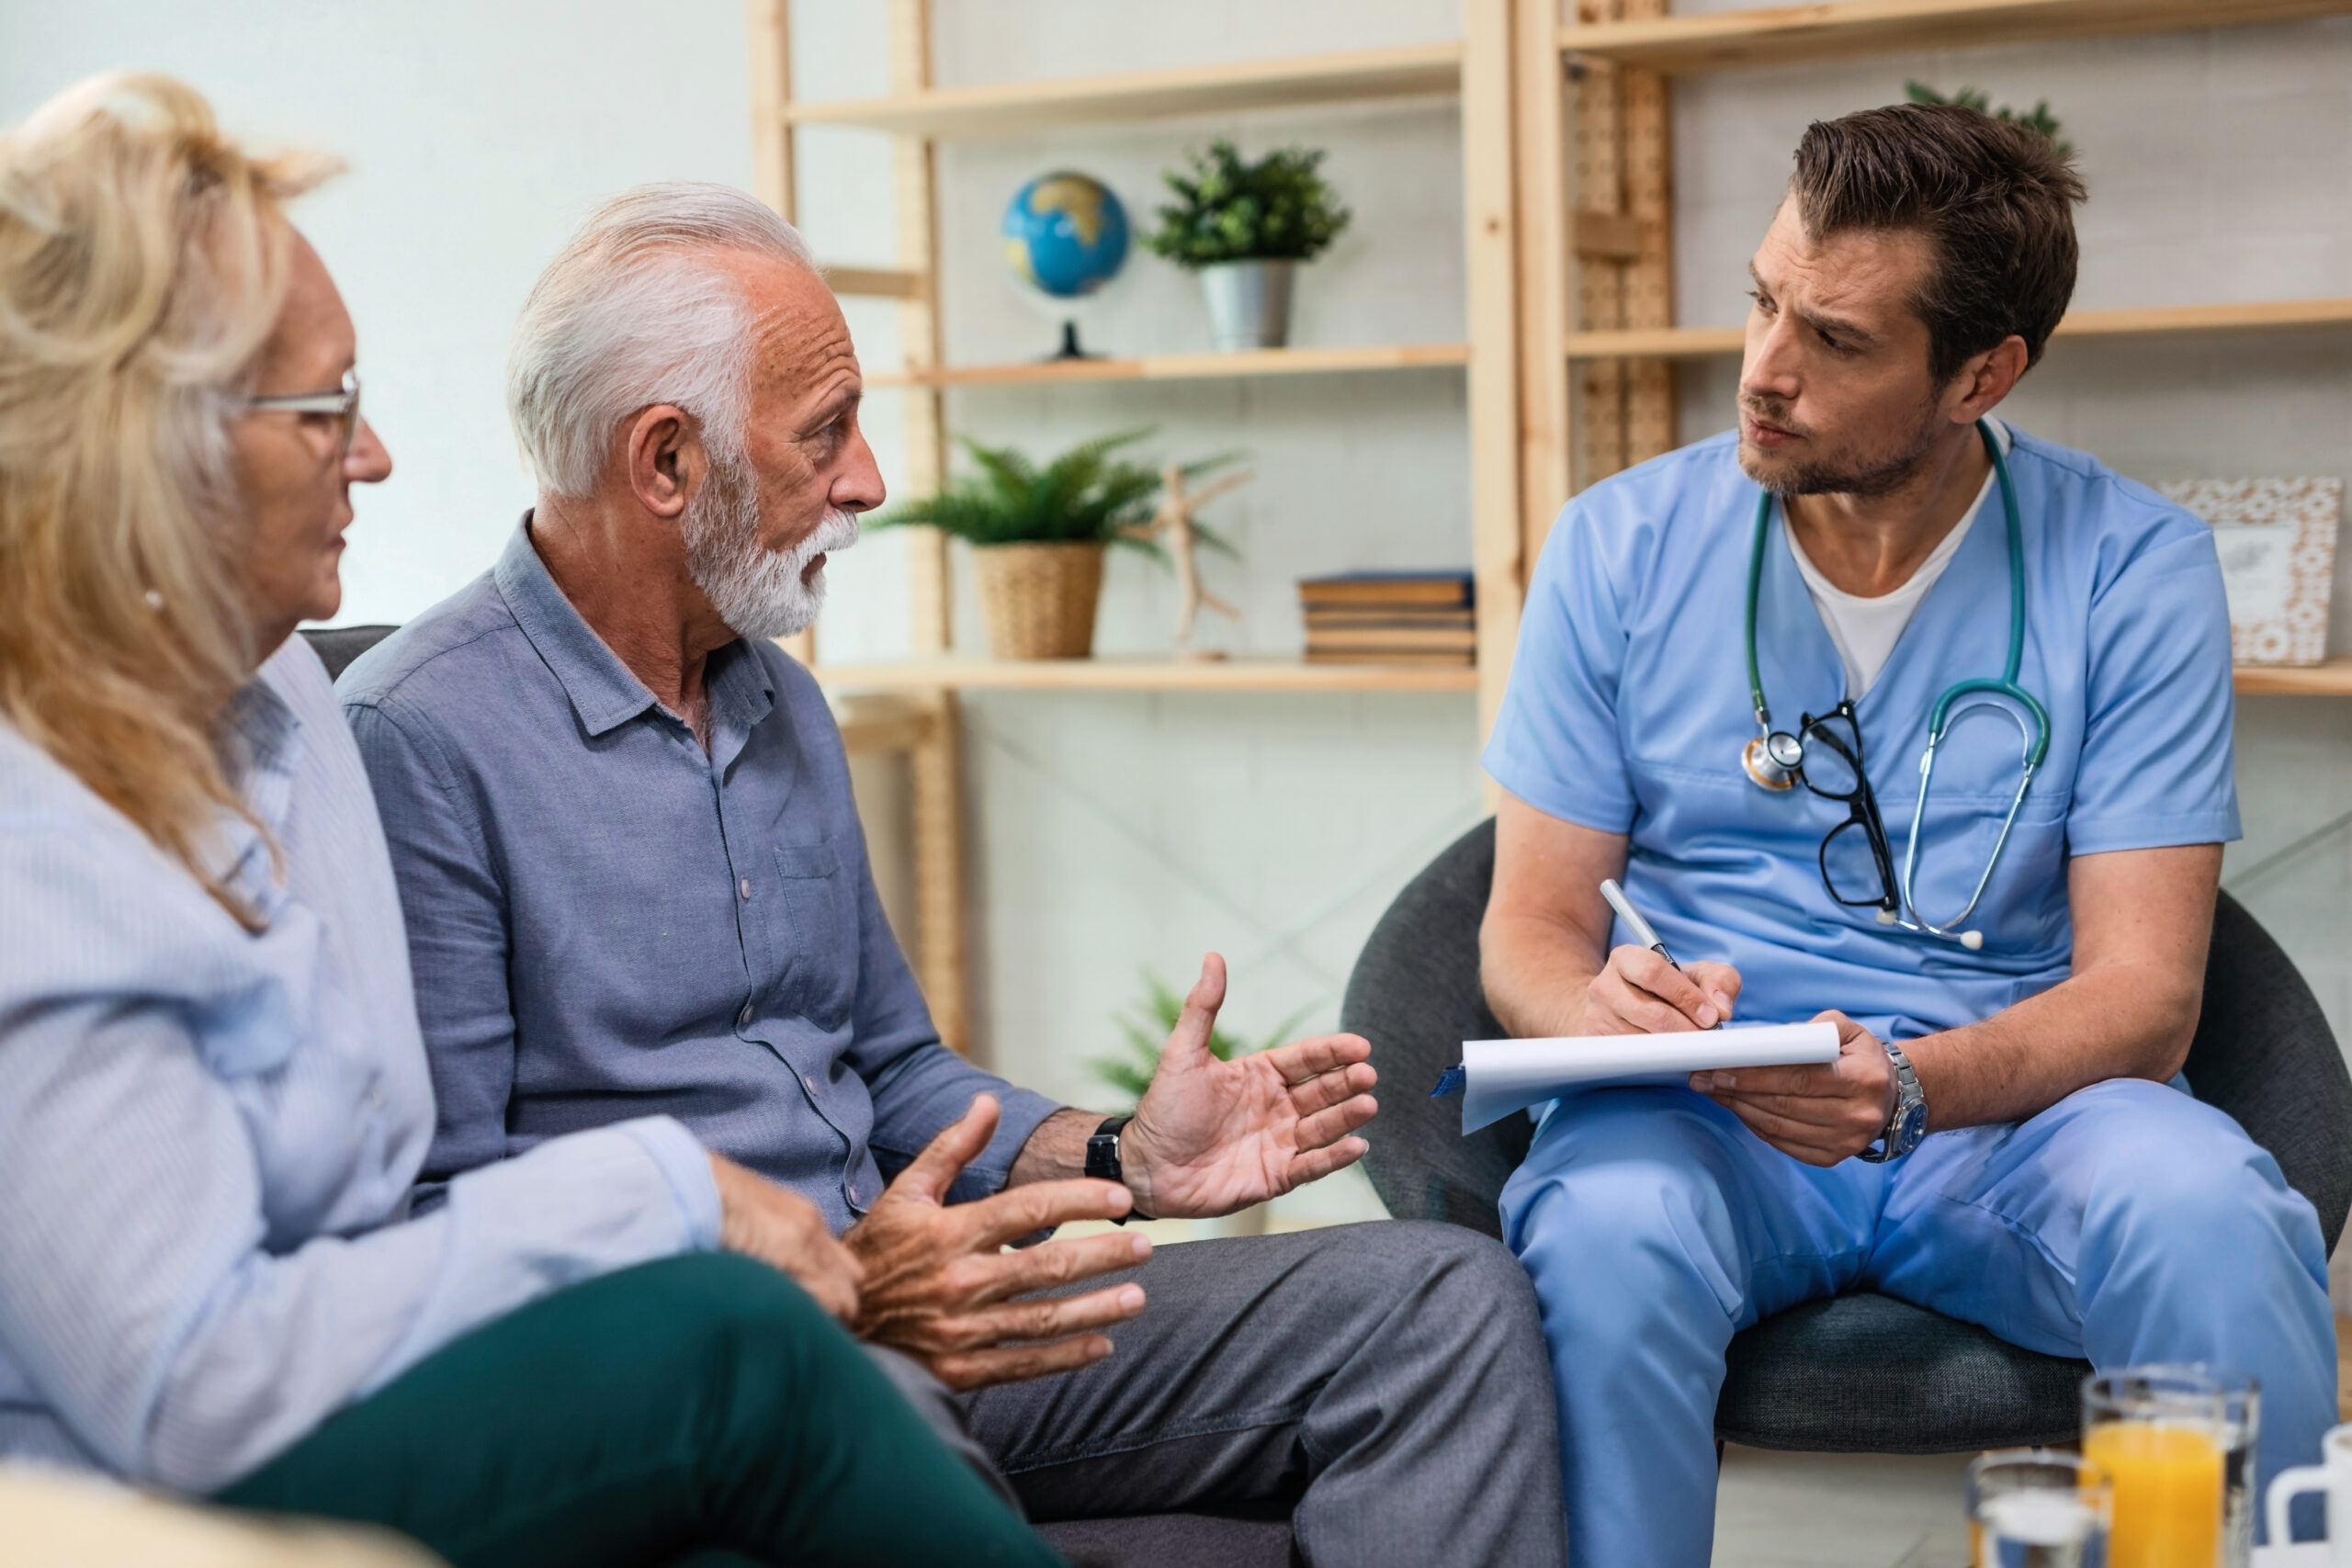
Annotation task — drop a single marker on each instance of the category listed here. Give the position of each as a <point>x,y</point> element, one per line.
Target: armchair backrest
<point>2263,1052</point>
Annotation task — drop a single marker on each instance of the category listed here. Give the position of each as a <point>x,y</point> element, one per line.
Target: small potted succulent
<point>1244,227</point>
<point>1037,536</point>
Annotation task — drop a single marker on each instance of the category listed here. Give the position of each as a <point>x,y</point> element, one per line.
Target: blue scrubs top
<point>1628,707</point>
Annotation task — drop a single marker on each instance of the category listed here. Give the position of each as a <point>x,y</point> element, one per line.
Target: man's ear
<point>666,458</point>
<point>1985,379</point>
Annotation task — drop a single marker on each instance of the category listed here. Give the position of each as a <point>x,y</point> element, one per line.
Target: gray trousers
<point>1387,1381</point>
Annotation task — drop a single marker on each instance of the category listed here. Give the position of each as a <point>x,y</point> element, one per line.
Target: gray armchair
<point>1861,1373</point>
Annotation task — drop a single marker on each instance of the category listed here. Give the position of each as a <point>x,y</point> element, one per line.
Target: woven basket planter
<point>1039,599</point>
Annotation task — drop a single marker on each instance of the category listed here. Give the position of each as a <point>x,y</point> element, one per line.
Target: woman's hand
<point>1637,992</point>
<point>786,1232</point>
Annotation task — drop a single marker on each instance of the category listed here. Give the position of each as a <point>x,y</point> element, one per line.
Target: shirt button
<point>743,1018</point>
<point>810,1082</point>
<point>744,888</point>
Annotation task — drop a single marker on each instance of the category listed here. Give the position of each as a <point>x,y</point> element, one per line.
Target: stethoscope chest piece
<point>1773,760</point>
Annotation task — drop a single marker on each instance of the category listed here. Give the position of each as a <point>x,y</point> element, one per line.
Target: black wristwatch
<point>1906,1124</point>
<point>1103,1160</point>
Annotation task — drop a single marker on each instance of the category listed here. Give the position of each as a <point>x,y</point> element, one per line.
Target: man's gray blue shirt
<point>604,922</point>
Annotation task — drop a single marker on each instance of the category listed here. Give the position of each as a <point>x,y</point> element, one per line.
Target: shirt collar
<point>603,692</point>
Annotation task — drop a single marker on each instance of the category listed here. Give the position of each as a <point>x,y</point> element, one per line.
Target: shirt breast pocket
<point>819,933</point>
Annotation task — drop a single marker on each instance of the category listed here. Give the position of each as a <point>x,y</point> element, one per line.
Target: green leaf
<point>2038,119</point>
<point>1231,210</point>
<point>1145,1028</point>
<point>1084,496</point>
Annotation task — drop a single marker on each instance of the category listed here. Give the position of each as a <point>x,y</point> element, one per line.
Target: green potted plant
<point>1147,1029</point>
<point>1244,227</point>
<point>1037,536</point>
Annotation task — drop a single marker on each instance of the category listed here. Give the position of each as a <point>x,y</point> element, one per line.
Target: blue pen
<point>1639,926</point>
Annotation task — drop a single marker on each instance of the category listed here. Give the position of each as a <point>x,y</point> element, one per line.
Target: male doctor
<point>1725,682</point>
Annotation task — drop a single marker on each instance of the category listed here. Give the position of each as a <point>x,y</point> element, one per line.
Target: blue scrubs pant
<point>2127,1223</point>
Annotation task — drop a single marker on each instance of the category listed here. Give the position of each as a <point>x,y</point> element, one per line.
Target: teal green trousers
<point>702,1407</point>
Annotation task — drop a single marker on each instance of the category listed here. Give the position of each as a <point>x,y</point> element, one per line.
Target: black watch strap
<point>1102,1159</point>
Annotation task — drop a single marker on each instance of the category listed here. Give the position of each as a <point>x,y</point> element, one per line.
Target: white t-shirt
<point>1865,630</point>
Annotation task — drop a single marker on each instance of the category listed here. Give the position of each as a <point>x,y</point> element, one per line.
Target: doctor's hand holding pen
<point>1642,990</point>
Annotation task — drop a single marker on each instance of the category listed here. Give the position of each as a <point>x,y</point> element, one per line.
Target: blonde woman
<point>213,1099</point>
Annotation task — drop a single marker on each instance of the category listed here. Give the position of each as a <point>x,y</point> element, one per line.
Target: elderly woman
<point>213,1099</point>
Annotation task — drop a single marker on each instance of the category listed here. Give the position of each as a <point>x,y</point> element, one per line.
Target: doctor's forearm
<point>2118,1022</point>
<point>1536,973</point>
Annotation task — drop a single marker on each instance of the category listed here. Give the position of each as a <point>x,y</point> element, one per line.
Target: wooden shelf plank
<point>876,723</point>
<point>2269,315</point>
<point>881,723</point>
<point>2332,679</point>
<point>1783,34</point>
<point>883,282</point>
<point>1190,366</point>
<point>1420,71</point>
<point>1143,674</point>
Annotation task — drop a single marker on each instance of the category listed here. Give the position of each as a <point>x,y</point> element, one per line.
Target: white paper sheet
<point>1504,1076</point>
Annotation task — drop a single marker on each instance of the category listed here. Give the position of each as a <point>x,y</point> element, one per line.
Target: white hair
<point>637,310</point>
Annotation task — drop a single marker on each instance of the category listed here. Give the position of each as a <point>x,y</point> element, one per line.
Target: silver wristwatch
<point>1907,1123</point>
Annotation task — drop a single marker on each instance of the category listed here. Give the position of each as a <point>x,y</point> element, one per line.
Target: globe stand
<point>1070,348</point>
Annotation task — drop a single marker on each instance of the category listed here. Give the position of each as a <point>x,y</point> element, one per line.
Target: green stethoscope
<point>1775,759</point>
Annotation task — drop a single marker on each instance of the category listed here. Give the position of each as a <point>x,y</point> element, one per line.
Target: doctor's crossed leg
<point>1886,711</point>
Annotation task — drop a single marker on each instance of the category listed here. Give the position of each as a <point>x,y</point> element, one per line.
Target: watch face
<point>1914,1126</point>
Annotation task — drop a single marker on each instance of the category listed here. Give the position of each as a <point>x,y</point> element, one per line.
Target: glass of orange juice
<point>2164,1435</point>
<point>2037,1508</point>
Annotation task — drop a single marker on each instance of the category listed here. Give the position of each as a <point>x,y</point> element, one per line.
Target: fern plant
<point>1089,495</point>
<point>1231,209</point>
<point>1146,1031</point>
<point>2037,118</point>
<point>1083,497</point>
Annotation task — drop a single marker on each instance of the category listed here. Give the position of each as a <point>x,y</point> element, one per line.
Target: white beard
<point>759,593</point>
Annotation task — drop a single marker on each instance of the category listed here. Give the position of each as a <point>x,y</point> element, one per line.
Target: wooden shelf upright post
<point>929,732</point>
<point>1622,234</point>
<point>1491,277</point>
<point>935,763</point>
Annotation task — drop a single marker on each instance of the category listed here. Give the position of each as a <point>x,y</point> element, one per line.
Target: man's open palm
<point>1212,1138</point>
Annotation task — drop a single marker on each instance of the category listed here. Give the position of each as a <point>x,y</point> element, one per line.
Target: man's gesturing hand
<point>1212,1138</point>
<point>1637,992</point>
<point>786,1232</point>
<point>939,1284</point>
<point>1819,1114</point>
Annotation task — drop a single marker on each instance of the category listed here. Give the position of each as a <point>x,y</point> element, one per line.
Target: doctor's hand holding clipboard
<point>1819,1114</point>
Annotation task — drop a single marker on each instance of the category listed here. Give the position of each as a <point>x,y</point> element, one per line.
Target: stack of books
<point>1389,618</point>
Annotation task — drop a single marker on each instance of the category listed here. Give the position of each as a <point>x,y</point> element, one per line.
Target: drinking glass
<point>2163,1434</point>
<point>2037,1508</point>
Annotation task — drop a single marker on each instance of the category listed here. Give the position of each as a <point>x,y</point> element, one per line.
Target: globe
<point>1066,235</point>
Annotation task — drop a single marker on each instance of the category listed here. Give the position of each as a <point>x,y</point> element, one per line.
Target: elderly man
<point>2004,1136</point>
<point>634,883</point>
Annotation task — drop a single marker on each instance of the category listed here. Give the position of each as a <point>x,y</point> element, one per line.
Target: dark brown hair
<point>1995,200</point>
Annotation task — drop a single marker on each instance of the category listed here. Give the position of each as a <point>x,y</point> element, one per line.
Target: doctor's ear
<point>1987,379</point>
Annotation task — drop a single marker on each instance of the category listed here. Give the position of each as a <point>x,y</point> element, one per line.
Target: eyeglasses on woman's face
<point>341,406</point>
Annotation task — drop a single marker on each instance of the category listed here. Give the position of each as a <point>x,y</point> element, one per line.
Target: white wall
<point>477,135</point>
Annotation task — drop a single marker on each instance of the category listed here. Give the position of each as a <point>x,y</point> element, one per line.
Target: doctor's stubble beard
<point>759,593</point>
<point>1867,480</point>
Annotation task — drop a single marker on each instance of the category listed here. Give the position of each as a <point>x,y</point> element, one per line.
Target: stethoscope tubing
<point>1948,706</point>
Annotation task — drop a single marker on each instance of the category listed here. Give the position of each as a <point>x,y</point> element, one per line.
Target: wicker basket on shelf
<point>1039,599</point>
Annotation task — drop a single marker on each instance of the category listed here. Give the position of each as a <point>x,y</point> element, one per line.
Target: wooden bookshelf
<point>1784,34</point>
<point>1142,674</point>
<point>1704,342</point>
<point>881,723</point>
<point>1188,366</point>
<point>2332,679</point>
<point>1365,76</point>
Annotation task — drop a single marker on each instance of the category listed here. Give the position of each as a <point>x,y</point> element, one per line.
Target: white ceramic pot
<point>1249,303</point>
